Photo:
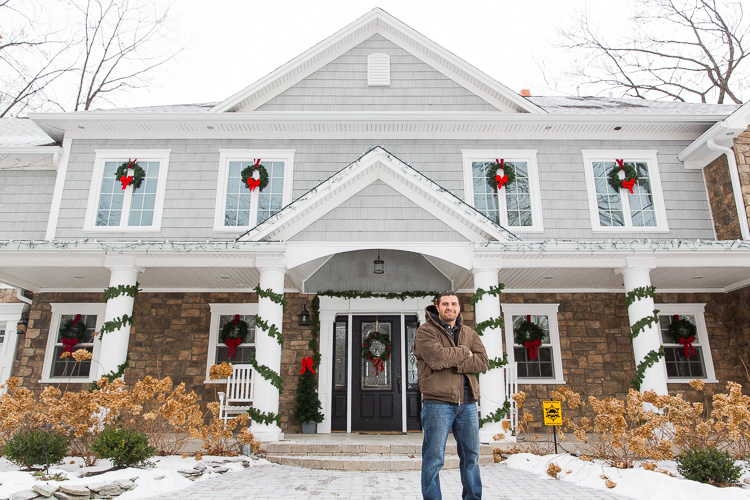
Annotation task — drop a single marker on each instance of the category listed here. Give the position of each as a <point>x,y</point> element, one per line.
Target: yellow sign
<point>552,413</point>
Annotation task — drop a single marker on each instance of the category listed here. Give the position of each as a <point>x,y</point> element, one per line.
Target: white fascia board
<point>723,133</point>
<point>31,150</point>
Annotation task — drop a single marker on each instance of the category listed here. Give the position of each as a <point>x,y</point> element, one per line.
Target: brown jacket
<point>441,363</point>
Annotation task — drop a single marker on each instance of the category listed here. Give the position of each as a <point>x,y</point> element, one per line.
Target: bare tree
<point>680,49</point>
<point>71,54</point>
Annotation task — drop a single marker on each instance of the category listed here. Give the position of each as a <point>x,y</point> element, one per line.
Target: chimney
<point>525,93</point>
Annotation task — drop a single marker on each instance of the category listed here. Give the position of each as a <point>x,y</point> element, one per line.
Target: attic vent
<point>378,70</point>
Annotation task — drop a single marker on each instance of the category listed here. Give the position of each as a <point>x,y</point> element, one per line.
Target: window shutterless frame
<point>512,205</point>
<point>67,309</point>
<point>510,311</point>
<point>694,312</point>
<point>128,200</point>
<point>238,208</point>
<point>217,311</point>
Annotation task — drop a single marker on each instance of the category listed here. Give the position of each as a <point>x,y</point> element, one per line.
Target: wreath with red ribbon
<point>72,331</point>
<point>529,335</point>
<point>677,330</point>
<point>500,174</point>
<point>233,334</point>
<point>631,176</point>
<point>378,361</point>
<point>248,176</point>
<point>121,174</point>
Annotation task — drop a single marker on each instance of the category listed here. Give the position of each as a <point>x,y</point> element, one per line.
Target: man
<point>449,354</point>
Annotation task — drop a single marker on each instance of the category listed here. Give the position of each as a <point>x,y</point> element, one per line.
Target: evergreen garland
<point>497,362</point>
<point>270,294</point>
<point>116,291</point>
<point>356,294</point>
<point>272,330</point>
<point>642,324</point>
<point>648,361</point>
<point>494,290</point>
<point>639,293</point>
<point>115,324</point>
<point>113,375</point>
<point>267,374</point>
<point>490,323</point>
<point>498,415</point>
<point>635,330</point>
<point>264,418</point>
<point>315,324</point>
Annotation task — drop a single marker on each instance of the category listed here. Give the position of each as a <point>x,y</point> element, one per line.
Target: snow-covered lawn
<point>162,478</point>
<point>633,483</point>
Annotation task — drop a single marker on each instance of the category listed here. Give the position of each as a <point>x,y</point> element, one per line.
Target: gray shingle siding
<point>25,200</point>
<point>194,164</point>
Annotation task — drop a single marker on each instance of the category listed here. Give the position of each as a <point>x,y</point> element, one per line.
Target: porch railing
<point>511,387</point>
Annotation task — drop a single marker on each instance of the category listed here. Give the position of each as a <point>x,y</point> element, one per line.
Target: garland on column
<point>640,325</point>
<point>278,298</point>
<point>114,374</point>
<point>124,320</point>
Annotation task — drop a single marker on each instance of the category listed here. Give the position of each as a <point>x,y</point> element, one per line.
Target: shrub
<point>126,448</point>
<point>36,447</point>
<point>708,466</point>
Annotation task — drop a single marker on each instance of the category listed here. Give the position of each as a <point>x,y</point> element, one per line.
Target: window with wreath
<point>72,327</point>
<point>532,331</point>
<point>512,201</point>
<point>242,204</point>
<point>624,190</point>
<point>232,335</point>
<point>687,355</point>
<point>127,190</point>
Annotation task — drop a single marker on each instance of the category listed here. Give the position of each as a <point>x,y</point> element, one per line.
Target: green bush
<point>126,448</point>
<point>36,447</point>
<point>708,466</point>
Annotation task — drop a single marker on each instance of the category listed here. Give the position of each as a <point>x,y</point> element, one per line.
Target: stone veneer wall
<point>8,295</point>
<point>170,337</point>
<point>742,154</point>
<point>721,199</point>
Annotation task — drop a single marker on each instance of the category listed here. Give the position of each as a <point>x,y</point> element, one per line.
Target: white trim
<point>10,314</point>
<point>549,310</point>
<point>58,309</point>
<point>697,310</point>
<point>228,155</point>
<point>657,195</point>
<point>54,209</point>
<point>509,155</point>
<point>143,155</point>
<point>218,310</point>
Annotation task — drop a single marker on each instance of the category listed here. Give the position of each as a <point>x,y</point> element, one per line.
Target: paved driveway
<point>286,482</point>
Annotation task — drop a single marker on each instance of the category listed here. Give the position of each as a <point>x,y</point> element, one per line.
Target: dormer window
<point>378,70</point>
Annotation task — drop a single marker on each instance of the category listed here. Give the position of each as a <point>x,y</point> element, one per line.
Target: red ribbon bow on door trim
<point>307,364</point>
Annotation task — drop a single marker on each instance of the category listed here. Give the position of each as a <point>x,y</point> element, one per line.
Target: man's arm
<point>427,345</point>
<point>478,362</point>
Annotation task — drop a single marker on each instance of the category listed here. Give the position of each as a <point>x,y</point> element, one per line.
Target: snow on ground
<point>162,478</point>
<point>633,483</point>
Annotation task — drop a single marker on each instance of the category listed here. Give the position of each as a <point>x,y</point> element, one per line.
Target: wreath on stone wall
<point>683,332</point>
<point>121,174</point>
<point>233,334</point>
<point>378,360</point>
<point>248,176</point>
<point>72,331</point>
<point>500,174</point>
<point>631,176</point>
<point>529,335</point>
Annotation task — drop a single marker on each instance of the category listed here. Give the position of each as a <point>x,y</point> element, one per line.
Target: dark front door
<point>376,393</point>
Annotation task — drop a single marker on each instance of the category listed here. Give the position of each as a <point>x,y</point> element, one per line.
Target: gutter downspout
<point>736,189</point>
<point>20,294</point>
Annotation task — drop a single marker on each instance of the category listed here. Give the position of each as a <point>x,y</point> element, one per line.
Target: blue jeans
<point>437,420</point>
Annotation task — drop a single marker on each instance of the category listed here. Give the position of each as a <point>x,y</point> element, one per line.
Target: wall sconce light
<point>304,316</point>
<point>379,265</point>
<point>22,324</point>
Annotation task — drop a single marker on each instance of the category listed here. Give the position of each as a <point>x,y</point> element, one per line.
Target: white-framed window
<point>239,208</point>
<point>57,369</point>
<point>112,208</point>
<point>681,369</point>
<point>615,210</point>
<point>546,368</point>
<point>218,352</point>
<point>517,205</point>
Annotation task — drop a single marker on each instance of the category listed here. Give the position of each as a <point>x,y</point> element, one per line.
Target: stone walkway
<point>286,482</point>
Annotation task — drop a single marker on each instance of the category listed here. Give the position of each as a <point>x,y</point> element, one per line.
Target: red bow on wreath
<point>501,179</point>
<point>533,347</point>
<point>378,364</point>
<point>628,184</point>
<point>69,344</point>
<point>251,182</point>
<point>232,344</point>
<point>307,364</point>
<point>688,345</point>
<point>126,180</point>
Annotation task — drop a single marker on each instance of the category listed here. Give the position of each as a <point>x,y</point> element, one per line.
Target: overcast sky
<point>232,43</point>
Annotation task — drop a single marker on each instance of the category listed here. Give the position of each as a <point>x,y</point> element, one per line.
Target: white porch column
<point>636,275</point>
<point>114,348</point>
<point>491,383</point>
<point>267,348</point>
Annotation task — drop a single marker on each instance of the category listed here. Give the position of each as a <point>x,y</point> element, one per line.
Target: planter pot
<point>308,428</point>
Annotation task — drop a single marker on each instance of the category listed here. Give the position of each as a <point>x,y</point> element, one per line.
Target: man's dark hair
<point>447,293</point>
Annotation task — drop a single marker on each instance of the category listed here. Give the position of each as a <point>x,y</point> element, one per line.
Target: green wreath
<point>73,328</point>
<point>614,175</point>
<point>381,337</point>
<point>247,175</point>
<point>508,170</point>
<point>234,331</point>
<point>527,331</point>
<point>138,173</point>
<point>677,328</point>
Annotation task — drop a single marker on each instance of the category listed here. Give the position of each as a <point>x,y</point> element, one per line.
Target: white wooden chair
<point>238,397</point>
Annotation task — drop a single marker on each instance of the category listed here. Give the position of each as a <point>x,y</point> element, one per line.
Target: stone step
<point>355,449</point>
<point>377,462</point>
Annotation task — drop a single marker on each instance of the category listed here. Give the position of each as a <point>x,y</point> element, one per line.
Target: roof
<point>627,106</point>
<point>22,132</point>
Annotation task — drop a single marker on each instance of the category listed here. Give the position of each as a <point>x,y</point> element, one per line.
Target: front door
<point>376,390</point>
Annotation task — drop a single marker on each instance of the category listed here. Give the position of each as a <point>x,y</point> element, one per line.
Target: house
<point>379,148</point>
